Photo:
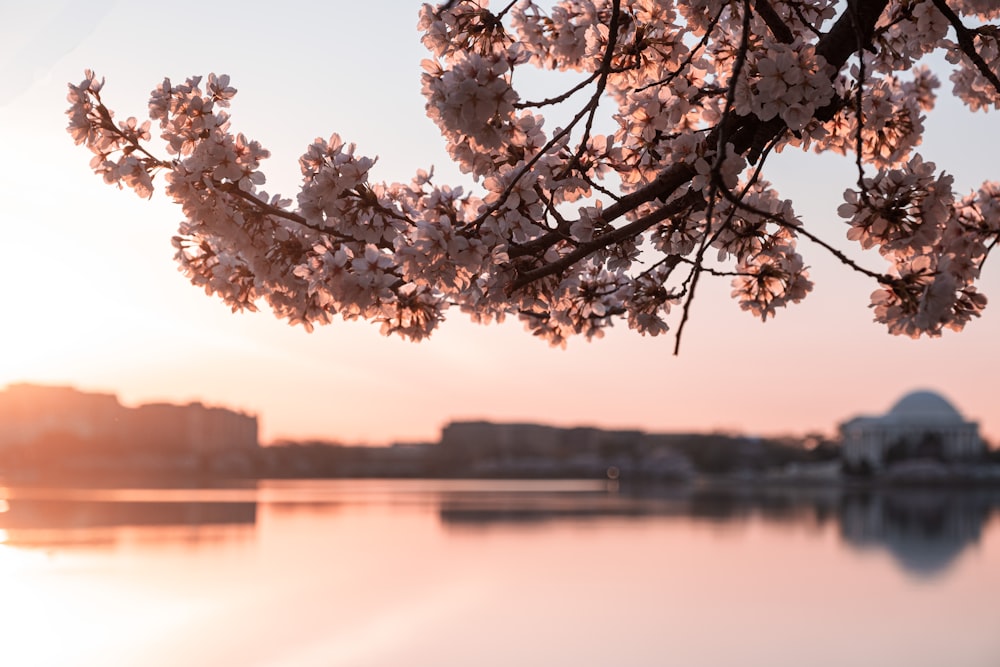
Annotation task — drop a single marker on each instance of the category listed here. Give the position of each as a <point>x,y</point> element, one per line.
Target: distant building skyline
<point>60,425</point>
<point>30,409</point>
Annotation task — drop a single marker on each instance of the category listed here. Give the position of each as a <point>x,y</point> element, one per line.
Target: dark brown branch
<point>774,23</point>
<point>800,229</point>
<point>836,47</point>
<point>797,8</point>
<point>741,57</point>
<point>718,273</point>
<point>744,132</point>
<point>560,98</point>
<point>665,184</point>
<point>966,43</point>
<point>506,9</point>
<point>584,249</point>
<point>267,209</point>
<point>588,108</point>
<point>696,270</point>
<point>840,43</point>
<point>107,122</point>
<point>859,143</point>
<point>602,82</point>
<point>690,56</point>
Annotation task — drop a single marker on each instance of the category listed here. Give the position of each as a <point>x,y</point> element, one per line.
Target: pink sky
<point>94,300</point>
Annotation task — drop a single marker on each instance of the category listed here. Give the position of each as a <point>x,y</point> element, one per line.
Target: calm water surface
<point>426,573</point>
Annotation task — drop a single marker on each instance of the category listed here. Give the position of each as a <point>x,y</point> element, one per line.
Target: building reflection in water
<point>49,517</point>
<point>925,530</point>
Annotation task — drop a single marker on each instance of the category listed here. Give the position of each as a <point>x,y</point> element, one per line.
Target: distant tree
<point>570,228</point>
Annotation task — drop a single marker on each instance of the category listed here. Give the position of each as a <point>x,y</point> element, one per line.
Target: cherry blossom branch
<point>589,108</point>
<point>560,98</point>
<point>689,57</point>
<point>773,21</point>
<point>506,9</point>
<point>107,123</point>
<point>740,202</point>
<point>585,249</point>
<point>712,271</point>
<point>797,8</point>
<point>965,41</point>
<point>602,81</point>
<point>741,57</point>
<point>859,100</point>
<point>588,248</point>
<point>398,254</point>
<point>836,43</point>
<point>696,270</point>
<point>267,209</point>
<point>839,43</point>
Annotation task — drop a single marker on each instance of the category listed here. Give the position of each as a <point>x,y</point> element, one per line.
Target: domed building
<point>922,424</point>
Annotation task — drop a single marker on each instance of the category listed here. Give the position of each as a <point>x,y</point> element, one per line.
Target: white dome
<point>922,406</point>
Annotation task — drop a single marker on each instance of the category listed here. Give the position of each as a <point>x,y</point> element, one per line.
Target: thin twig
<point>495,206</point>
<point>559,98</point>
<point>690,56</point>
<point>859,103</point>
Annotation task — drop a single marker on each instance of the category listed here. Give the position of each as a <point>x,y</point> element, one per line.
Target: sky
<point>92,297</point>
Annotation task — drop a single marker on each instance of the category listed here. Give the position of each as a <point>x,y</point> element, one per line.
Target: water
<point>430,573</point>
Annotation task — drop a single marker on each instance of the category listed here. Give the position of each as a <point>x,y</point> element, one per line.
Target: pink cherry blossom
<point>653,178</point>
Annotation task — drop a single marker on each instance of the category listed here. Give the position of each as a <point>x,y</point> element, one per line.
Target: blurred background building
<point>62,428</point>
<point>921,425</point>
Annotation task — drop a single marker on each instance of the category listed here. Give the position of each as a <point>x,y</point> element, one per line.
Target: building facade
<point>922,424</point>
<point>486,448</point>
<point>29,413</point>
<point>61,425</point>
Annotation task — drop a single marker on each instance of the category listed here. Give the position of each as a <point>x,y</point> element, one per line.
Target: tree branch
<point>744,131</point>
<point>588,109</point>
<point>773,21</point>
<point>689,200</point>
<point>559,98</point>
<point>966,43</point>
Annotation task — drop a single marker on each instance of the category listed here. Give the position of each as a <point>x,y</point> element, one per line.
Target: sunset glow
<point>769,478</point>
<point>95,300</point>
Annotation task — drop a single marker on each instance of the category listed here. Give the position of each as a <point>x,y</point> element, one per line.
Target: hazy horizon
<point>334,438</point>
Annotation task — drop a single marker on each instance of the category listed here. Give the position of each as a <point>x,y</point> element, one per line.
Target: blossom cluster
<point>788,80</point>
<point>935,245</point>
<point>653,179</point>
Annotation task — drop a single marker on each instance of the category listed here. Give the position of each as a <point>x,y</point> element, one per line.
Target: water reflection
<point>925,530</point>
<point>49,517</point>
<point>426,573</point>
